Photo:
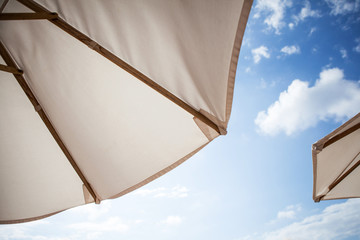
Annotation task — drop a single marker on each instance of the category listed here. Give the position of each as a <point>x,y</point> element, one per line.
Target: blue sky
<point>298,78</point>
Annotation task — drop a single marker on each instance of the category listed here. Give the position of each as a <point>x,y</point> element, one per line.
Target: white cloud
<point>336,222</point>
<point>357,48</point>
<point>260,52</point>
<point>87,230</point>
<point>172,220</point>
<point>289,212</point>
<point>306,12</point>
<point>342,7</point>
<point>289,50</point>
<point>343,53</point>
<point>113,224</point>
<point>81,230</point>
<point>325,225</point>
<point>275,11</point>
<point>248,69</point>
<point>175,192</point>
<point>25,231</point>
<point>286,214</point>
<point>301,106</point>
<point>312,30</point>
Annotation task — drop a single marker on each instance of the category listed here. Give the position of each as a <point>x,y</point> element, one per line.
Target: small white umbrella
<point>336,160</point>
<point>127,89</point>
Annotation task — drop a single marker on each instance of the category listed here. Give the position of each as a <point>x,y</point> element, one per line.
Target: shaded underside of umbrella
<point>336,160</point>
<point>99,98</point>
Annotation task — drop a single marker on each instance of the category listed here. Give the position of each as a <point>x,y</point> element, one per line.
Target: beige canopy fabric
<point>98,98</point>
<point>336,160</point>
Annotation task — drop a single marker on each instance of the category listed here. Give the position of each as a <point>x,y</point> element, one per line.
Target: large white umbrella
<point>99,97</point>
<point>336,160</point>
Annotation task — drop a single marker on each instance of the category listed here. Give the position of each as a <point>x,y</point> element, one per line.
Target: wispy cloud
<point>342,7</point>
<point>87,230</point>
<point>306,12</point>
<point>343,53</point>
<point>113,224</point>
<point>286,214</point>
<point>264,84</point>
<point>175,192</point>
<point>289,50</point>
<point>289,212</point>
<point>172,220</point>
<point>274,11</point>
<point>325,225</point>
<point>24,231</point>
<point>259,53</point>
<point>357,47</point>
<point>302,106</point>
<point>312,30</point>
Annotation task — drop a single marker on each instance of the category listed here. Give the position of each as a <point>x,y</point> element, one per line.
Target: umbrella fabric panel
<point>336,159</point>
<point>333,160</point>
<point>349,186</point>
<point>36,179</point>
<point>185,46</point>
<point>118,130</point>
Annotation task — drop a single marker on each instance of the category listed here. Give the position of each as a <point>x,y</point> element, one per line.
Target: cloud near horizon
<point>302,106</point>
<point>113,224</point>
<point>336,222</point>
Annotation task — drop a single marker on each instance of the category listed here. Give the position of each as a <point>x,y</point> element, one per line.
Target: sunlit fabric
<point>336,160</point>
<point>120,132</point>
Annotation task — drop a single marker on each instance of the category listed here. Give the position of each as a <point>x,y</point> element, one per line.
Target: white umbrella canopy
<point>99,98</point>
<point>336,160</point>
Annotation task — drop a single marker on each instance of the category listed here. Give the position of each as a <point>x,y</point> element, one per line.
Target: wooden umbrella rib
<point>344,175</point>
<point>10,62</point>
<point>2,7</point>
<point>28,16</point>
<point>341,135</point>
<point>119,62</point>
<point>13,70</point>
